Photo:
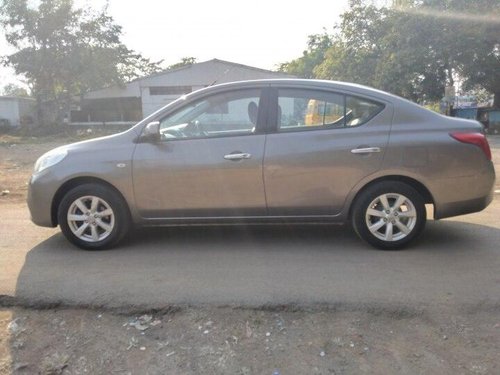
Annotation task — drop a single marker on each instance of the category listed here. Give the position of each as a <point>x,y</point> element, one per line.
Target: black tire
<point>409,215</point>
<point>114,226</point>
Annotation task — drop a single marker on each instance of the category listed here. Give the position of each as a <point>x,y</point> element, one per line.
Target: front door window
<point>223,115</point>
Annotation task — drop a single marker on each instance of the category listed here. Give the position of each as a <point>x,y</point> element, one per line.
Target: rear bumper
<point>463,207</point>
<point>464,195</point>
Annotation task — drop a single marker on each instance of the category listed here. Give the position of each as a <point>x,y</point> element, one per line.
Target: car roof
<point>296,82</point>
<point>353,88</point>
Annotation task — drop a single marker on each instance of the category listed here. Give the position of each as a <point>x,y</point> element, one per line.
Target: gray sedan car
<point>269,151</point>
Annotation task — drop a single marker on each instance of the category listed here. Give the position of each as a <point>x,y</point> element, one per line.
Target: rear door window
<point>302,110</point>
<point>360,111</point>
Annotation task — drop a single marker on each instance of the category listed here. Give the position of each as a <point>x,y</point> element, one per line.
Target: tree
<point>12,89</point>
<point>303,67</point>
<point>185,61</point>
<point>373,48</point>
<point>415,48</point>
<point>466,40</point>
<point>478,48</point>
<point>64,51</point>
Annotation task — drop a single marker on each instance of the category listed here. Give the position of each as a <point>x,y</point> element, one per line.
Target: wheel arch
<point>417,185</point>
<point>74,182</point>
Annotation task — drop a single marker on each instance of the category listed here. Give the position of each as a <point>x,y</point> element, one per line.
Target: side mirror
<point>151,132</point>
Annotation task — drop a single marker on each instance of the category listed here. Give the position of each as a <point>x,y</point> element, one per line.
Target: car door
<point>208,162</point>
<point>321,145</point>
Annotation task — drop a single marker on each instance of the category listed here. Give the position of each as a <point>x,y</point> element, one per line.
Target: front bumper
<point>41,192</point>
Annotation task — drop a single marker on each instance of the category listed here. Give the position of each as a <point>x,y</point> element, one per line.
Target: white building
<point>16,111</point>
<point>137,99</point>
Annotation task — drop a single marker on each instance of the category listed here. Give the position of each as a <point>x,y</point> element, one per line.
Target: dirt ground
<point>232,340</point>
<point>17,158</point>
<point>235,341</point>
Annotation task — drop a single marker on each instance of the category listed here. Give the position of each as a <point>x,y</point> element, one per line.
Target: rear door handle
<point>365,150</point>
<point>238,156</point>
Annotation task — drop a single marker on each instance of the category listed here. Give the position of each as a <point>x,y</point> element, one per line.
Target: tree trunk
<point>39,111</point>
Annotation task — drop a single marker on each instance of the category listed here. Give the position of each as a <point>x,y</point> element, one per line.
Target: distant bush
<point>433,107</point>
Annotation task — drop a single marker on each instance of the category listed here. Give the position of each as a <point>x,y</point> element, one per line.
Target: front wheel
<point>389,215</point>
<point>93,217</point>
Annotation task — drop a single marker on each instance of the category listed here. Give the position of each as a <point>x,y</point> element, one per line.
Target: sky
<point>258,33</point>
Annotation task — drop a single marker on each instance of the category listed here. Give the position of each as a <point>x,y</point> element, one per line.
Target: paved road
<point>455,263</point>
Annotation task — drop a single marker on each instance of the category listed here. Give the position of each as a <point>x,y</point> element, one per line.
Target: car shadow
<point>219,264</point>
<point>449,236</point>
<point>443,236</point>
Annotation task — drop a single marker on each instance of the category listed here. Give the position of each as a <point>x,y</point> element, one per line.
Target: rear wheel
<point>389,215</point>
<point>93,217</point>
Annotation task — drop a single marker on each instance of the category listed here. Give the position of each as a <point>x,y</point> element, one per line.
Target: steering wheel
<point>194,129</point>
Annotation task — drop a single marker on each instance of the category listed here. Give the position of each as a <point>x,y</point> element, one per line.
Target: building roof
<point>201,74</point>
<point>217,61</point>
<point>16,98</point>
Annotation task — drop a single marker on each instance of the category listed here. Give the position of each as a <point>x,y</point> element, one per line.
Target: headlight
<point>49,159</point>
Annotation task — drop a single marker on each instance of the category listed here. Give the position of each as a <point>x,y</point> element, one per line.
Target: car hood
<point>100,143</point>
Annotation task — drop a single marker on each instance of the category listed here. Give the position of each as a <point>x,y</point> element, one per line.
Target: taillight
<point>477,139</point>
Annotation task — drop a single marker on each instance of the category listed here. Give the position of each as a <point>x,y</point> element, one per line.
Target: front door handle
<point>238,156</point>
<point>365,150</point>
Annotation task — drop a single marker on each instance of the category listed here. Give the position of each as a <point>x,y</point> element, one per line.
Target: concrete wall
<point>151,103</point>
<point>9,109</point>
<point>128,90</point>
<point>16,109</point>
<point>27,111</point>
